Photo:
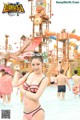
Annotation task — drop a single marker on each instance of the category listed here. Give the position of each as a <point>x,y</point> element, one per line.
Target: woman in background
<point>6,86</point>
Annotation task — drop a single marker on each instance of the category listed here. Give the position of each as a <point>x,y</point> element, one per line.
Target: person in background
<point>32,85</point>
<point>76,83</point>
<point>52,79</point>
<point>55,79</point>
<point>21,94</point>
<point>6,86</point>
<point>2,72</point>
<point>61,84</point>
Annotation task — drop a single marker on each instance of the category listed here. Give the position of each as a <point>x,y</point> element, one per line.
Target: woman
<point>6,86</point>
<point>32,85</point>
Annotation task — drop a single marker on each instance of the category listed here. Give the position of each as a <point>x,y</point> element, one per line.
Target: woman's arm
<point>16,81</point>
<point>36,96</point>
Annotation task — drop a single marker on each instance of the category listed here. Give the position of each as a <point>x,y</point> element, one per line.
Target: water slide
<point>53,36</point>
<point>29,45</point>
<point>16,54</point>
<point>71,35</point>
<point>34,44</point>
<point>24,46</point>
<point>28,50</point>
<point>74,36</point>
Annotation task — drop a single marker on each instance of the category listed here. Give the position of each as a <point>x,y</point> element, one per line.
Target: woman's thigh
<point>40,115</point>
<point>24,117</point>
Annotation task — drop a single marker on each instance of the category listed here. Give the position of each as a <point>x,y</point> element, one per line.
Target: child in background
<point>76,83</point>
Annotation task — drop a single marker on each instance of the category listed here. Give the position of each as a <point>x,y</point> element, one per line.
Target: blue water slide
<point>53,37</point>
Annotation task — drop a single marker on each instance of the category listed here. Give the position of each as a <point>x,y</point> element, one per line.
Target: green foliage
<point>73,31</point>
<point>45,55</point>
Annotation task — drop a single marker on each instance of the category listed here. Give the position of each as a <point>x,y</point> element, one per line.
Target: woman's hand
<point>16,67</point>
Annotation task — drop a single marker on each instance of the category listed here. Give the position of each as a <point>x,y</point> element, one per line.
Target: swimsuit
<point>31,114</point>
<point>33,89</point>
<point>61,88</point>
<point>75,89</point>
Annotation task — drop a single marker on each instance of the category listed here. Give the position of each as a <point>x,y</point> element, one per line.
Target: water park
<point>67,53</point>
<point>64,55</point>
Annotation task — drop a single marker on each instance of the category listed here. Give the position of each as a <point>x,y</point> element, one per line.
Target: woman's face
<point>36,65</point>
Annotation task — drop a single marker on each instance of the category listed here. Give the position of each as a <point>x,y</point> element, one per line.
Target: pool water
<point>55,109</point>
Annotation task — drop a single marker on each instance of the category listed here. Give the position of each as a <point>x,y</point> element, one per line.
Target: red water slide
<point>34,44</point>
<point>28,46</point>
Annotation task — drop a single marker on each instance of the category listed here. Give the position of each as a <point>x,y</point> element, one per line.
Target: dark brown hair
<point>75,71</point>
<point>3,72</point>
<point>37,55</point>
<point>61,71</point>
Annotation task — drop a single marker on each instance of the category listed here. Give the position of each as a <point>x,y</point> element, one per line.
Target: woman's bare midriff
<point>29,105</point>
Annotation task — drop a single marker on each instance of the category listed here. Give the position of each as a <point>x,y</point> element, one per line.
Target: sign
<point>13,8</point>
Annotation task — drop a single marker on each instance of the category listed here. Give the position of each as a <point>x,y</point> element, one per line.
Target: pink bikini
<point>33,89</point>
<point>30,114</point>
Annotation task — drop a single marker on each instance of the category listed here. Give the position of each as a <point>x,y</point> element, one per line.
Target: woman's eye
<point>38,64</point>
<point>33,64</point>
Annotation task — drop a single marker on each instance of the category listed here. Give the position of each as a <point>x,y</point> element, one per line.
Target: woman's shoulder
<point>29,74</point>
<point>46,79</point>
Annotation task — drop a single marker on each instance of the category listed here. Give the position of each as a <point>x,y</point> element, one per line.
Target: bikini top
<point>32,88</point>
